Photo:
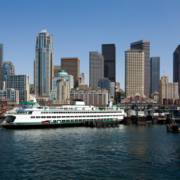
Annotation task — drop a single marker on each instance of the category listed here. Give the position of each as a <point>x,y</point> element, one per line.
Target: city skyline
<point>88,38</point>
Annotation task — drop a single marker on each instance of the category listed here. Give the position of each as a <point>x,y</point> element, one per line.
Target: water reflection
<point>127,152</point>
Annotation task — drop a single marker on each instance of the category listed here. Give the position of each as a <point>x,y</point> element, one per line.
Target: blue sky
<point>80,26</point>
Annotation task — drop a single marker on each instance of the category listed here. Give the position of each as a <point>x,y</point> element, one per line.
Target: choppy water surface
<point>125,152</point>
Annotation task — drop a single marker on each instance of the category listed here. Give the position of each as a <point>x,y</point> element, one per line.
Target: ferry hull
<point>40,126</point>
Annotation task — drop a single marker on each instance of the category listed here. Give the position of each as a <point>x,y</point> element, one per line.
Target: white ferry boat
<point>32,115</point>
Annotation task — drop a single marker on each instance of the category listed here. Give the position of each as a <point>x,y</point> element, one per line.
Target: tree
<point>118,97</point>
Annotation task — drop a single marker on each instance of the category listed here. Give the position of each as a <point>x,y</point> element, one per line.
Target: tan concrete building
<point>134,72</point>
<point>83,86</point>
<point>117,86</point>
<point>56,69</point>
<point>155,96</point>
<point>83,78</point>
<point>144,45</point>
<point>72,67</point>
<point>62,91</point>
<point>90,96</point>
<point>167,90</point>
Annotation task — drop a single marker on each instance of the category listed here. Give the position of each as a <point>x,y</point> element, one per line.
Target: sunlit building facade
<point>61,73</point>
<point>134,72</point>
<point>144,45</point>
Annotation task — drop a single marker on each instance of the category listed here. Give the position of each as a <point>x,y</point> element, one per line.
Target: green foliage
<point>118,97</point>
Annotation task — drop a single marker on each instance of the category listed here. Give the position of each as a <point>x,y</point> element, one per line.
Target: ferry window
<point>37,116</point>
<point>30,112</point>
<point>43,117</point>
<point>48,116</point>
<point>58,116</point>
<point>53,116</point>
<point>63,117</point>
<point>32,116</point>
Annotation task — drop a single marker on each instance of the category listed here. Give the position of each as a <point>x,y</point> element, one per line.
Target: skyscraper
<point>134,72</point>
<point>43,63</point>
<point>72,67</point>
<point>109,53</point>
<point>8,69</point>
<point>1,66</point>
<point>145,46</point>
<point>176,66</point>
<point>96,68</point>
<point>154,74</point>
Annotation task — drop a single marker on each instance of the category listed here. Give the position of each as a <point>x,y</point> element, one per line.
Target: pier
<point>100,124</point>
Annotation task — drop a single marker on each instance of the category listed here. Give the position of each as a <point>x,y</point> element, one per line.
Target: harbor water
<point>124,152</point>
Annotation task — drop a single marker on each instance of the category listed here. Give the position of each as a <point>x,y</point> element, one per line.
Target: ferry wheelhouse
<point>32,113</point>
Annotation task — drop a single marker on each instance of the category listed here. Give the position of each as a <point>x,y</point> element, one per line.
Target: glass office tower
<point>43,63</point>
<point>1,66</point>
<point>104,83</point>
<point>109,53</point>
<point>96,68</point>
<point>8,69</point>
<point>154,74</point>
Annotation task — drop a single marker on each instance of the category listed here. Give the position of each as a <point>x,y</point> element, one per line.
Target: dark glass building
<point>145,46</point>
<point>109,53</point>
<point>1,66</point>
<point>104,83</point>
<point>154,74</point>
<point>176,66</point>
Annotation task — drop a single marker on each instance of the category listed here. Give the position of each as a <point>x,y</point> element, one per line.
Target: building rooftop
<point>44,31</point>
<point>141,41</point>
<point>70,58</point>
<point>132,50</point>
<point>61,70</point>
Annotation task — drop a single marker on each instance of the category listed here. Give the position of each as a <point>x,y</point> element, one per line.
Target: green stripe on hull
<point>25,123</point>
<point>61,122</point>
